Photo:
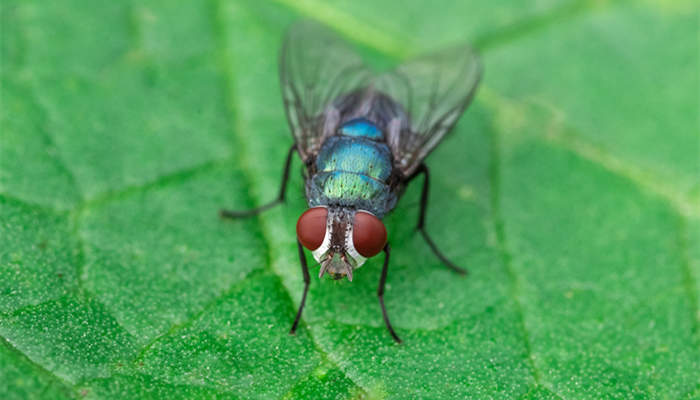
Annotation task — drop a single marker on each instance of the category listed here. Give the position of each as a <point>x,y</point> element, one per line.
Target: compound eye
<point>311,227</point>
<point>368,234</point>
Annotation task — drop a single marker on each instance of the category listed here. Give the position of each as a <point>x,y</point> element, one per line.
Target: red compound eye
<point>368,234</point>
<point>311,227</point>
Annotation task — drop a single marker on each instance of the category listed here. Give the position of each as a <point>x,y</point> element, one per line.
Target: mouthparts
<point>337,265</point>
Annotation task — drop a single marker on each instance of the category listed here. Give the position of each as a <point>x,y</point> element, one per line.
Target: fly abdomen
<point>357,155</point>
<point>352,170</point>
<point>349,189</point>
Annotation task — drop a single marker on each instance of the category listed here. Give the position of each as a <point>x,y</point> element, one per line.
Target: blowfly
<point>363,137</point>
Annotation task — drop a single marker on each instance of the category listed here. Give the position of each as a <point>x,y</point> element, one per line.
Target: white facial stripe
<point>350,247</point>
<point>326,244</point>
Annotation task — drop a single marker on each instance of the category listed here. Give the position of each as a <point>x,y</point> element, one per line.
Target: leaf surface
<point>569,189</point>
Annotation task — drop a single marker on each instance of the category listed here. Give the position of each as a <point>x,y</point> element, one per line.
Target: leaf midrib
<point>237,125</point>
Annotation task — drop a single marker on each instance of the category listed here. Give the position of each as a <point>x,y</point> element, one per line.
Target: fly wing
<point>316,67</point>
<point>433,90</point>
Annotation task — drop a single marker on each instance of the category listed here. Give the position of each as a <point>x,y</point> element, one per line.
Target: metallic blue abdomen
<point>352,169</point>
<point>357,155</point>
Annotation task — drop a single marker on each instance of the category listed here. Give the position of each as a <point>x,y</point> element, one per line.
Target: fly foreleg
<point>280,198</point>
<point>307,280</point>
<point>380,294</point>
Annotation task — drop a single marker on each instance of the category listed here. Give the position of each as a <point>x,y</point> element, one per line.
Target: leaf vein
<point>566,137</point>
<point>519,29</point>
<point>30,205</point>
<point>570,140</point>
<point>212,304</point>
<point>350,26</point>
<point>506,257</point>
<point>689,280</point>
<point>162,181</point>
<point>51,143</point>
<point>49,374</point>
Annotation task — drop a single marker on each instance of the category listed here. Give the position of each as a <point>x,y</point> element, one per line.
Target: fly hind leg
<point>279,200</point>
<point>423,169</point>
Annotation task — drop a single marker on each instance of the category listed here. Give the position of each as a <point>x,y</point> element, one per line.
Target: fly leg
<point>423,169</point>
<point>380,294</point>
<point>280,198</point>
<point>307,280</point>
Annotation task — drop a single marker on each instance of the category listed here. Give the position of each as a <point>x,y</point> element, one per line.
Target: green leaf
<point>569,189</point>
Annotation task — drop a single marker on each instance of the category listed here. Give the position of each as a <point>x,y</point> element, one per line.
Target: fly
<point>363,137</point>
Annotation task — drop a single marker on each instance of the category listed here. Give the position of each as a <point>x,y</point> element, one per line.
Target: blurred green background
<point>570,189</point>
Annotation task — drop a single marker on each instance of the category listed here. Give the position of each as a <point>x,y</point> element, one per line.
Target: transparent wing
<point>433,90</point>
<point>316,67</point>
